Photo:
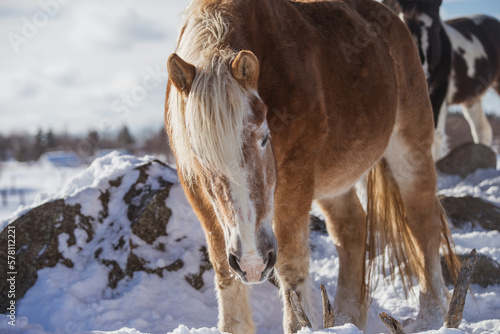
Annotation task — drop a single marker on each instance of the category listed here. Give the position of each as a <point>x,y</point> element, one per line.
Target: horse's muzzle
<point>253,269</point>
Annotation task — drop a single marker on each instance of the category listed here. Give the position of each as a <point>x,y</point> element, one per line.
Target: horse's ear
<point>245,69</point>
<point>181,73</point>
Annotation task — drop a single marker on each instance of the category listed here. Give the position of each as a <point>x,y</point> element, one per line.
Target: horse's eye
<point>265,140</point>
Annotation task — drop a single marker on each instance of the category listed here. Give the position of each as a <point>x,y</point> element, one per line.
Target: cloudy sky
<point>73,65</point>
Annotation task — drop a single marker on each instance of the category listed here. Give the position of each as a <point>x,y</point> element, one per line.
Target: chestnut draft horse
<point>461,60</point>
<point>274,104</point>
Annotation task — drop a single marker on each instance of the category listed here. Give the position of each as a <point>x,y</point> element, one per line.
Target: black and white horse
<point>461,60</point>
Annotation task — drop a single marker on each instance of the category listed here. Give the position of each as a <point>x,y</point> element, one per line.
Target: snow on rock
<point>121,240</point>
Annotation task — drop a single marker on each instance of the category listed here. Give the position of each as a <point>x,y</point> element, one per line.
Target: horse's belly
<point>338,173</point>
<point>327,186</point>
<point>338,168</point>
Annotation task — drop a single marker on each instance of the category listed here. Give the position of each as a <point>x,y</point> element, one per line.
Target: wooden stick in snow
<point>392,324</point>
<point>299,311</point>
<point>328,315</point>
<point>454,316</point>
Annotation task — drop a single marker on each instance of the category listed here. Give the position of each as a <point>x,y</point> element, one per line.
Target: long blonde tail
<point>389,236</point>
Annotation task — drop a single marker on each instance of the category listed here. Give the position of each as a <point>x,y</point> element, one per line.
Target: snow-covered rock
<point>121,218</point>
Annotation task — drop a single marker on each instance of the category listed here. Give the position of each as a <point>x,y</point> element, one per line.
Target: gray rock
<point>486,272</point>
<point>470,212</point>
<point>466,159</point>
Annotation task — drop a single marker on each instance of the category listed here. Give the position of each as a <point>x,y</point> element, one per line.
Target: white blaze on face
<point>424,40</point>
<point>233,199</point>
<point>245,218</point>
<point>251,261</point>
<point>469,50</point>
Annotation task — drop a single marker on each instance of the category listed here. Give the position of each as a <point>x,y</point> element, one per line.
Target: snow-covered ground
<point>76,300</point>
<point>27,183</point>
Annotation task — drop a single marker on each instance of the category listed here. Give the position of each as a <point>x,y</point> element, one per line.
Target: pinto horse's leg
<point>479,125</point>
<point>410,161</point>
<point>440,147</point>
<point>345,221</point>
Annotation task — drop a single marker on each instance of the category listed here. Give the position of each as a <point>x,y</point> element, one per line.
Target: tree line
<point>25,147</point>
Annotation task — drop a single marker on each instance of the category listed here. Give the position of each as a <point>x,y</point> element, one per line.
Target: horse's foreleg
<point>235,314</point>
<point>234,307</point>
<point>292,232</point>
<point>479,125</point>
<point>345,221</point>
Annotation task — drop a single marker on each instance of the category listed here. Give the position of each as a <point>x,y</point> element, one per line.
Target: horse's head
<point>422,19</point>
<point>221,138</point>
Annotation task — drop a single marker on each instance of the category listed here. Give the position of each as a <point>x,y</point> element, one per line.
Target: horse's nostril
<point>271,259</point>
<point>233,262</point>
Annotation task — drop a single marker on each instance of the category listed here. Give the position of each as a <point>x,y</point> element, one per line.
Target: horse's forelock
<point>207,126</point>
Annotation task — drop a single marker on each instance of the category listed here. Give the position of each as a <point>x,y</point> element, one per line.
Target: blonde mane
<point>207,125</point>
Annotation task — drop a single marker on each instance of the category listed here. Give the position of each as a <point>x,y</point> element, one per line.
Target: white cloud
<point>81,60</point>
<point>106,26</point>
<point>88,55</point>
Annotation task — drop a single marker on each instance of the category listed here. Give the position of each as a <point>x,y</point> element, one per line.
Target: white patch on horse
<point>452,88</point>
<point>424,40</point>
<point>250,262</point>
<point>479,125</point>
<point>440,146</point>
<point>426,20</point>
<point>470,51</point>
<point>245,210</point>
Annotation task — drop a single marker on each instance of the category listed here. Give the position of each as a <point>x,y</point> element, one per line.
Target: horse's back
<point>476,55</point>
<point>374,50</point>
<point>377,87</point>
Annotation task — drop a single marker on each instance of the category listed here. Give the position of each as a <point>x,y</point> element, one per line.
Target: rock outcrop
<point>466,159</point>
<point>486,271</point>
<point>470,212</point>
<point>125,221</point>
